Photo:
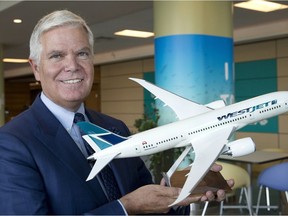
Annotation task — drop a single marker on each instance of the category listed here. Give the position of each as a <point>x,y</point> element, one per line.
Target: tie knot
<point>79,117</point>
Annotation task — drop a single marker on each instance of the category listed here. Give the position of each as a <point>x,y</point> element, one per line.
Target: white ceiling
<point>106,17</point>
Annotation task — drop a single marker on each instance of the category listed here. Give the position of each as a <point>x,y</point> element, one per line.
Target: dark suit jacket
<point>42,171</point>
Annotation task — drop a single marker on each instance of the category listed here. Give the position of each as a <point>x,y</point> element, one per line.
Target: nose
<point>71,64</point>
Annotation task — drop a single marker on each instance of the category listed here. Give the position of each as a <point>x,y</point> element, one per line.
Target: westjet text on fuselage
<point>247,110</point>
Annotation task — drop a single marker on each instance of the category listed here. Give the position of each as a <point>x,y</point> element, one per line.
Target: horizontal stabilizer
<point>100,164</point>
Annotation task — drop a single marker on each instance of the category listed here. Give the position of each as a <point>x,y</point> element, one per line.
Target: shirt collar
<point>63,115</point>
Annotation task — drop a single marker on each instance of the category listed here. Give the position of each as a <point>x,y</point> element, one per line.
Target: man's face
<point>65,69</point>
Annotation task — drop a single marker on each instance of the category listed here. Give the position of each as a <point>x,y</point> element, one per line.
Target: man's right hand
<point>157,198</point>
<point>152,199</point>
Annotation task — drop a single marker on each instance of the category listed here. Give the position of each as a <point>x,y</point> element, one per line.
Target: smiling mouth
<point>72,81</point>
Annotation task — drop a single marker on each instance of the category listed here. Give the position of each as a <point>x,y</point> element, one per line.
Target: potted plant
<point>159,162</point>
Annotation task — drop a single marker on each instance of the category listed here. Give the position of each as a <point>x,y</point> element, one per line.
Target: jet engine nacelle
<point>239,147</point>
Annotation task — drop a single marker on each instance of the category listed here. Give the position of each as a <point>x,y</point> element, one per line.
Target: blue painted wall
<point>255,78</point>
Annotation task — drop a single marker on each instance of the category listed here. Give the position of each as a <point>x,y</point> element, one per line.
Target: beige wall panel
<point>120,97</point>
<point>283,123</point>
<point>122,107</point>
<point>129,120</point>
<point>282,47</point>
<point>123,94</point>
<point>284,142</point>
<point>282,83</point>
<point>122,68</point>
<point>282,67</point>
<point>262,140</point>
<point>255,51</point>
<point>115,82</point>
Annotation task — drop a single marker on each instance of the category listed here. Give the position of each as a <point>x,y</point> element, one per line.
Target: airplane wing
<point>207,149</point>
<point>100,164</point>
<point>183,108</point>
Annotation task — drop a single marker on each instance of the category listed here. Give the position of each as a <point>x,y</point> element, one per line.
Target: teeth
<point>72,81</point>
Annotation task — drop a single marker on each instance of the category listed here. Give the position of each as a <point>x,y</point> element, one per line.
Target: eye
<point>56,56</point>
<point>84,54</point>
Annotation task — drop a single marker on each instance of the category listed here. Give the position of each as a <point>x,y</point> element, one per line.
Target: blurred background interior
<point>260,58</point>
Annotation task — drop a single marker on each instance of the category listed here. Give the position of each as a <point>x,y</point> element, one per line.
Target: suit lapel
<point>58,141</point>
<point>54,136</point>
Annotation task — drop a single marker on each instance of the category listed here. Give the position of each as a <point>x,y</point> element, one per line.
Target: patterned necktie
<point>107,175</point>
<point>79,117</point>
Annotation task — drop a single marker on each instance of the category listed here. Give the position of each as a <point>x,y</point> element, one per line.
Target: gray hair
<point>54,20</point>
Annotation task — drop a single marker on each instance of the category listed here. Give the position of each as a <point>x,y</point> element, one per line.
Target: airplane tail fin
<point>99,138</point>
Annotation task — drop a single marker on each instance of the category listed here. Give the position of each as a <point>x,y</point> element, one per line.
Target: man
<point>43,166</point>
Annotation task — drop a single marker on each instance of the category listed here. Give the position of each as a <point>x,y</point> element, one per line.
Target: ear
<point>35,69</point>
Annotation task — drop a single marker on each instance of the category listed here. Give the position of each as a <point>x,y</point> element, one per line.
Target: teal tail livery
<point>205,129</point>
<point>99,138</point>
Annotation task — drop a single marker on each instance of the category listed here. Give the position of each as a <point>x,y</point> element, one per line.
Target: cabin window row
<point>167,140</point>
<point>272,108</point>
<point>217,125</point>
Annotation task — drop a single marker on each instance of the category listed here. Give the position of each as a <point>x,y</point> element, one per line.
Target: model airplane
<point>205,129</point>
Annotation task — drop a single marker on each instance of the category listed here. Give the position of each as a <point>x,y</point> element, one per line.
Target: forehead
<point>65,35</point>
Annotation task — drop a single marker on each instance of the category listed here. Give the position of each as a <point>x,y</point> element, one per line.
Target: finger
<point>230,182</point>
<point>175,192</point>
<point>203,198</point>
<point>216,167</point>
<point>162,182</point>
<point>171,192</point>
<point>190,199</point>
<point>220,195</point>
<point>210,196</point>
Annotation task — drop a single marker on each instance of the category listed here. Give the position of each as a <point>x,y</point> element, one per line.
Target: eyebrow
<point>60,51</point>
<point>86,49</point>
<point>54,51</point>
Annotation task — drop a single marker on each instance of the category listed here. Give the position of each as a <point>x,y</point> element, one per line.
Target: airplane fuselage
<point>184,132</point>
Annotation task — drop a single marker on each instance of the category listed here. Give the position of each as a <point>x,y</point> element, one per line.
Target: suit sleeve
<point>112,208</point>
<point>17,171</point>
<point>21,185</point>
